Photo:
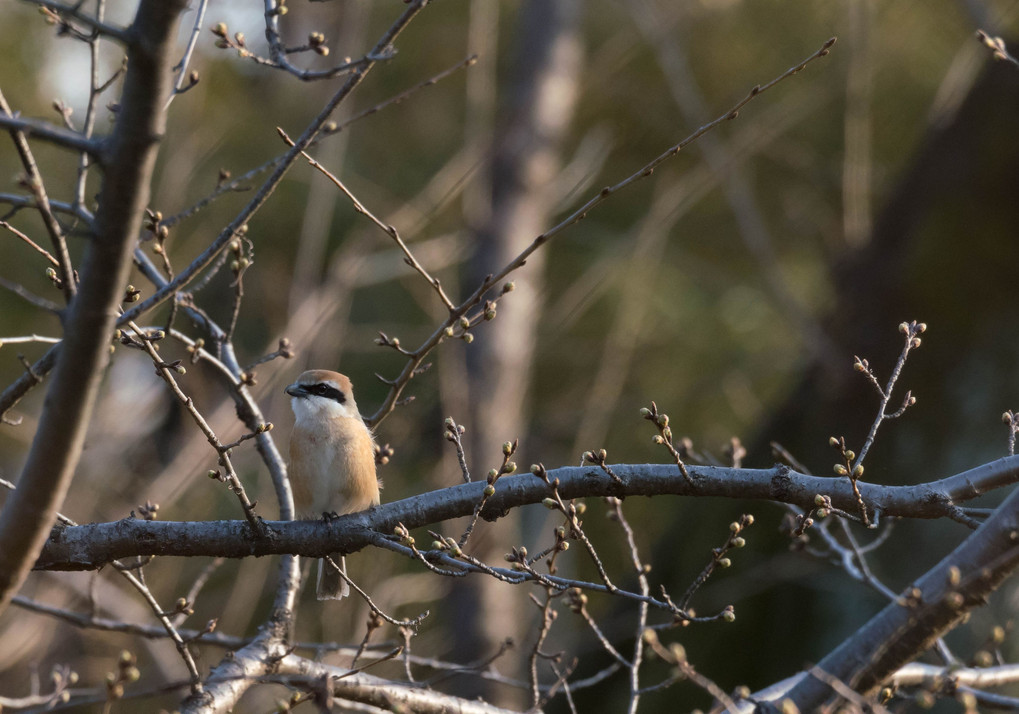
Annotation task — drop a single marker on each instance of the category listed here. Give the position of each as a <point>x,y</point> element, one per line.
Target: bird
<point>332,461</point>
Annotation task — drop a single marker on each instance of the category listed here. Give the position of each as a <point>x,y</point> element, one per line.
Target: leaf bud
<point>954,576</point>
<point>678,652</point>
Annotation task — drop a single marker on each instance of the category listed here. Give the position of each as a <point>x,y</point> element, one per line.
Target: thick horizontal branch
<point>383,693</point>
<point>91,546</point>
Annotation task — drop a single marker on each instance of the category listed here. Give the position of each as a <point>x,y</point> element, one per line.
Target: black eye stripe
<point>329,392</point>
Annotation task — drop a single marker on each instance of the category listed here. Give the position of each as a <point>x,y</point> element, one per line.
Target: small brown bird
<point>332,460</point>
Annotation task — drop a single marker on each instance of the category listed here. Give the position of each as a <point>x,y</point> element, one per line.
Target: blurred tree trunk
<point>926,261</point>
<point>534,116</point>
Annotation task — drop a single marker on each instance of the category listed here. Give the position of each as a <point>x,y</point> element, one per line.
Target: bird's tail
<point>331,585</point>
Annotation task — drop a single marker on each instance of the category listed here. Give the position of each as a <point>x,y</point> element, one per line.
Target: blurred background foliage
<point>733,288</point>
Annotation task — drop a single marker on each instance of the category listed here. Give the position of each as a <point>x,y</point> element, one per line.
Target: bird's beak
<point>295,390</point>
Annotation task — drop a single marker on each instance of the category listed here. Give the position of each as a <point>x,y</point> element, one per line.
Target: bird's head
<point>321,394</point>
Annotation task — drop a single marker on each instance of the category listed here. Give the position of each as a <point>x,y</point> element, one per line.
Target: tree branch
<point>30,511</point>
<point>54,134</point>
<point>924,612</point>
<point>91,546</point>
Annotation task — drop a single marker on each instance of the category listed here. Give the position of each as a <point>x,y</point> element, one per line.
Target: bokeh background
<point>733,288</point>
